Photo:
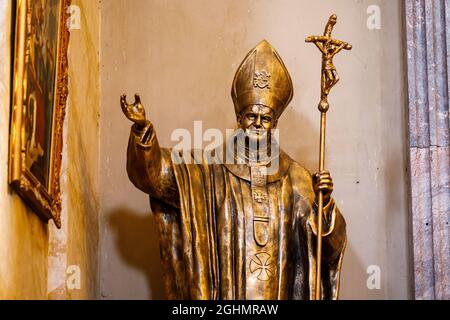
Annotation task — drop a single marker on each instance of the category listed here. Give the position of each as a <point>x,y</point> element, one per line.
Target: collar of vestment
<point>243,170</point>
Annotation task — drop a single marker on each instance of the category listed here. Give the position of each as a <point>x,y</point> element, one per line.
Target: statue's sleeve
<point>334,240</point>
<point>150,167</point>
<point>333,234</point>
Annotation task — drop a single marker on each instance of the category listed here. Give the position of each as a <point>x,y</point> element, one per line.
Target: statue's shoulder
<point>294,166</point>
<point>301,181</point>
<point>297,171</point>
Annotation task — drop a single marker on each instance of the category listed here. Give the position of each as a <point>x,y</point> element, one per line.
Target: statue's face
<point>257,121</point>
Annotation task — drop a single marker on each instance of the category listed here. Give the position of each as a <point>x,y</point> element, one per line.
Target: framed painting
<point>40,89</point>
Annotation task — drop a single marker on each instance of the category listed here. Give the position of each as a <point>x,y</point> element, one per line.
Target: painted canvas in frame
<point>40,88</point>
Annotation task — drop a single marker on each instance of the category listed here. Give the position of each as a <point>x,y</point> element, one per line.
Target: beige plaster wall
<point>81,179</point>
<point>34,256</point>
<point>181,57</point>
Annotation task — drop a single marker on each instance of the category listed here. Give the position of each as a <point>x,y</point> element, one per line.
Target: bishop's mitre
<point>262,78</point>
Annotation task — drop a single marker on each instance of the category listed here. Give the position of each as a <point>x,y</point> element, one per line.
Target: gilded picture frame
<point>40,90</point>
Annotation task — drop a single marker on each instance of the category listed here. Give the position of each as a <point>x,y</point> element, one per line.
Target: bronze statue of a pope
<point>241,229</point>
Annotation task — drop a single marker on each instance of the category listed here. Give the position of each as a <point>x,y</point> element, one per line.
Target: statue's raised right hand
<point>135,111</point>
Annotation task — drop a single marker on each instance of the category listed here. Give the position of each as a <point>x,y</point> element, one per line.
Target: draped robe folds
<point>200,210</point>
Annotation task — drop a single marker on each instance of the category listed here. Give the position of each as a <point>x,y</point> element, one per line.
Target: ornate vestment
<point>208,230</point>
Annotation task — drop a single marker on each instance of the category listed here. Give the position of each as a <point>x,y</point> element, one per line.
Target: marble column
<point>428,63</point>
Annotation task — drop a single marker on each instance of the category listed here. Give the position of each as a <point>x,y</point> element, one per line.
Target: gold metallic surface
<point>329,48</point>
<point>262,79</point>
<point>239,230</point>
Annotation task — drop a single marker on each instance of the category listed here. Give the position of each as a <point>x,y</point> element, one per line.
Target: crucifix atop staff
<point>329,48</point>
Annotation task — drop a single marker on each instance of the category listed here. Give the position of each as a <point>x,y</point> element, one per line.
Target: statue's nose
<point>257,123</point>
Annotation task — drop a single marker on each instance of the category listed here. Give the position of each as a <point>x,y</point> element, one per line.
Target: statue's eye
<point>251,116</point>
<point>267,119</point>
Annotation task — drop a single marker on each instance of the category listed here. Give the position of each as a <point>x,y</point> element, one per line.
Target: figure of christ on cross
<point>329,48</point>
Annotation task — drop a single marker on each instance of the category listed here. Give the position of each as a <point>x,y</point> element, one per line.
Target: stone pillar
<point>428,62</point>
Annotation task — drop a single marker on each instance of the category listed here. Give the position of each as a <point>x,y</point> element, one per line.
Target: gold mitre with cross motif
<point>262,79</point>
